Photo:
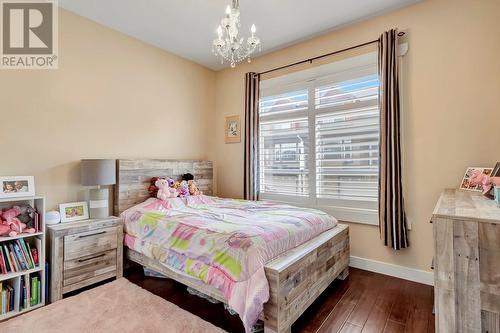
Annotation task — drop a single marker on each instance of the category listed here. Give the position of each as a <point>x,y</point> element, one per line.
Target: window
<point>319,138</point>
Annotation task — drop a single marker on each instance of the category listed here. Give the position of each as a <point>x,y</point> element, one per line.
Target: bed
<point>307,252</point>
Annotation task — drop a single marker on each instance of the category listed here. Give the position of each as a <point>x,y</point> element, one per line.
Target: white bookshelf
<point>14,278</point>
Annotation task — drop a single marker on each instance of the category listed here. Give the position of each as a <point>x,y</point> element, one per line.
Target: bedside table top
<point>85,224</point>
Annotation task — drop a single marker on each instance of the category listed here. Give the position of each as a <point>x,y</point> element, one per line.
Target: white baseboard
<point>401,272</point>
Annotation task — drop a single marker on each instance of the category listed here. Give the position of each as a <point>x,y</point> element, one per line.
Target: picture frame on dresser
<point>466,183</point>
<point>74,211</point>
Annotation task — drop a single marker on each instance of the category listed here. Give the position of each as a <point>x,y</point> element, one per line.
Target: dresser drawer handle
<point>90,235</point>
<point>94,257</point>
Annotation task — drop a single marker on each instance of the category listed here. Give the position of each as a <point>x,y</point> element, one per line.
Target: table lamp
<point>98,172</point>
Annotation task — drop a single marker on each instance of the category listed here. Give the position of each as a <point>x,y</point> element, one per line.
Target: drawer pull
<point>94,257</point>
<point>90,235</point>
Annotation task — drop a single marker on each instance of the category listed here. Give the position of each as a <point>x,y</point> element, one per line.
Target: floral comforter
<point>223,242</point>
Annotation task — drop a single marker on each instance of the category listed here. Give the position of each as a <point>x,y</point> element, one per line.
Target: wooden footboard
<point>296,278</point>
<point>299,277</point>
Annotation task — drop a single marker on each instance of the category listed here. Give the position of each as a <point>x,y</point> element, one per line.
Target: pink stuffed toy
<point>164,190</point>
<point>4,228</point>
<point>16,226</point>
<point>486,182</point>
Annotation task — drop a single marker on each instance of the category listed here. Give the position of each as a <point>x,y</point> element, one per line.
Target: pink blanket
<point>223,242</point>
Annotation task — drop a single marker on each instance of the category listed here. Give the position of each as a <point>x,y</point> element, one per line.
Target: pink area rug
<point>118,306</point>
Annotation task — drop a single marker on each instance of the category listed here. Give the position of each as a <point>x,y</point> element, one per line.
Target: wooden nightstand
<point>83,253</point>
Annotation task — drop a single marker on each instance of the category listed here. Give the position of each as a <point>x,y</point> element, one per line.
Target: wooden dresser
<point>83,253</point>
<point>466,263</point>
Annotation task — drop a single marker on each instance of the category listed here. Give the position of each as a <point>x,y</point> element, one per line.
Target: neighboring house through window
<point>319,137</point>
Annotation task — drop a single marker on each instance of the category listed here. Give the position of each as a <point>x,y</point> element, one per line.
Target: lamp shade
<point>98,172</point>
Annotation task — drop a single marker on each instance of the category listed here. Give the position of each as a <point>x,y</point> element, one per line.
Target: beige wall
<point>112,96</point>
<point>451,108</point>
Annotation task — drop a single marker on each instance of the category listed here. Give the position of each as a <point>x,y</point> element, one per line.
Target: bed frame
<point>295,279</point>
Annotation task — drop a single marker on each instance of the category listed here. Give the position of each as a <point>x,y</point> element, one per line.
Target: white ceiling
<point>187,27</point>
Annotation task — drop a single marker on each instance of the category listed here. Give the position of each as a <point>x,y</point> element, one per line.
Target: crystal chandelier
<point>228,45</point>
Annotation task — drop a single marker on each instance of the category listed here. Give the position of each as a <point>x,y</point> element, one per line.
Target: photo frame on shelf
<point>232,129</point>
<point>466,183</point>
<point>17,186</point>
<point>496,170</point>
<point>74,211</point>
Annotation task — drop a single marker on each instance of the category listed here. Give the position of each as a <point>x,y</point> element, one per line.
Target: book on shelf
<point>14,258</point>
<point>38,227</point>
<point>31,291</point>
<point>34,255</point>
<point>9,259</point>
<point>7,297</point>
<point>26,255</point>
<point>19,255</point>
<point>24,303</point>
<point>2,263</point>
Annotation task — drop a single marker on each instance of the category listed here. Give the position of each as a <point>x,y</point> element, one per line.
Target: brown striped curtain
<point>392,216</point>
<point>251,176</point>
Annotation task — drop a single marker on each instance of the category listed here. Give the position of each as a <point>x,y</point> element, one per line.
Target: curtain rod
<point>310,60</point>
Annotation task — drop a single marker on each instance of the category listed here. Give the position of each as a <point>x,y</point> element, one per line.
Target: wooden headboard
<point>134,176</point>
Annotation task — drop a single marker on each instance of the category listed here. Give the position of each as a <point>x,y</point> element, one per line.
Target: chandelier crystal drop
<point>228,45</point>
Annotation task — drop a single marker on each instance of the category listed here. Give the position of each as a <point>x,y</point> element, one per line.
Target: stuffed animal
<point>16,226</point>
<point>164,190</point>
<point>189,178</point>
<point>193,190</point>
<point>184,189</point>
<point>10,215</point>
<point>27,215</point>
<point>171,187</point>
<point>152,189</point>
<point>4,229</point>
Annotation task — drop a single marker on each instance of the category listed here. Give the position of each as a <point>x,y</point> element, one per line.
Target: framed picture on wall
<point>232,129</point>
<point>17,186</point>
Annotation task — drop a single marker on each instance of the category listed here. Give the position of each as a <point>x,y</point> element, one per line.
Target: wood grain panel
<point>88,267</point>
<point>133,178</point>
<point>466,250</point>
<point>490,322</point>
<point>89,243</point>
<point>489,266</point>
<point>77,261</point>
<point>298,278</point>
<point>444,276</point>
<point>467,276</point>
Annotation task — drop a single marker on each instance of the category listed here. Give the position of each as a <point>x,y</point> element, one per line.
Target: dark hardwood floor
<point>364,302</point>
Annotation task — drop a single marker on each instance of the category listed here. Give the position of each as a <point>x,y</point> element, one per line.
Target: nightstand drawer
<point>90,242</point>
<point>88,267</point>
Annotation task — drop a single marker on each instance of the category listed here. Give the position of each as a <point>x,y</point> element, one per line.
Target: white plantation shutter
<point>347,139</point>
<point>319,138</point>
<point>284,144</point>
